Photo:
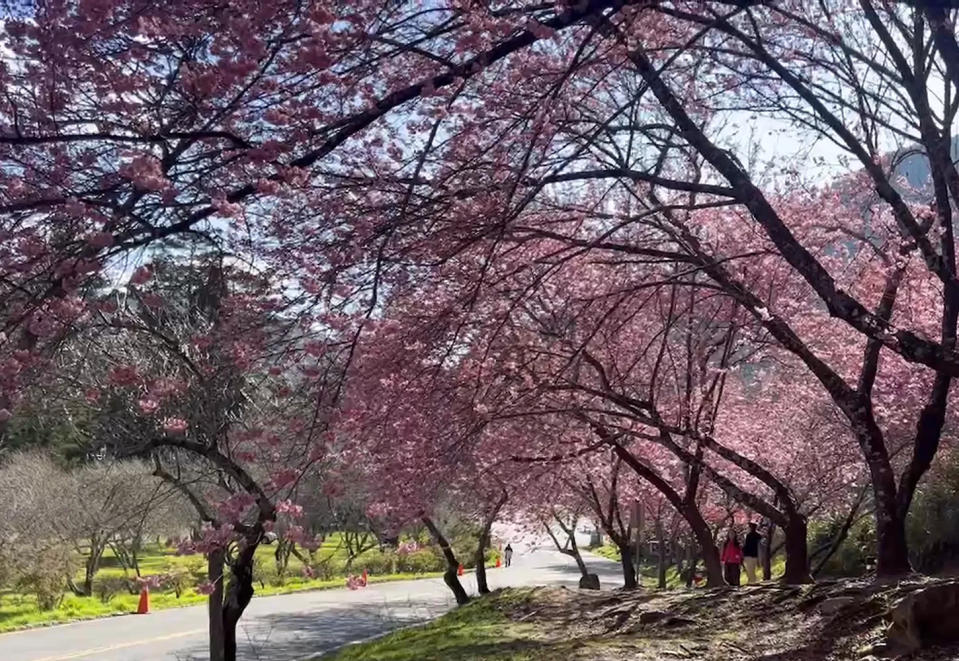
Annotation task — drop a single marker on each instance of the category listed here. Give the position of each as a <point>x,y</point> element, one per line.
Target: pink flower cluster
<point>355,582</point>
<point>405,548</point>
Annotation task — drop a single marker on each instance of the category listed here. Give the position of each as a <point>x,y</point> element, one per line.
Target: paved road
<point>288,627</point>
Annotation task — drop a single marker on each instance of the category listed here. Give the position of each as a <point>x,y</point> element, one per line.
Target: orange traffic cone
<point>498,563</point>
<point>144,606</point>
<point>364,577</point>
<point>459,572</point>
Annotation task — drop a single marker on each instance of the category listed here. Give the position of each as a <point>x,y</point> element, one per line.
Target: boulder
<point>928,616</point>
<point>589,582</point>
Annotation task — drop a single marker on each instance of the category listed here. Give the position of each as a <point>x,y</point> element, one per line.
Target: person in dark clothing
<point>732,558</point>
<point>508,553</point>
<point>751,553</point>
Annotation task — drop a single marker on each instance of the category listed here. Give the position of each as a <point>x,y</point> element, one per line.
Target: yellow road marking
<point>110,648</point>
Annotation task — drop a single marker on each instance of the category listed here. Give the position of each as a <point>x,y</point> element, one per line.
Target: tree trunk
<point>707,547</point>
<point>215,565</point>
<point>797,552</point>
<point>481,585</point>
<point>892,551</point>
<point>483,543</point>
<point>135,559</point>
<point>91,567</point>
<point>574,553</point>
<point>629,570</point>
<point>452,564</point>
<point>768,552</point>
<point>239,592</point>
<point>691,571</point>
<point>661,560</point>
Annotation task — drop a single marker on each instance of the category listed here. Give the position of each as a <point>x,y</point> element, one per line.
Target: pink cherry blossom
<point>175,426</point>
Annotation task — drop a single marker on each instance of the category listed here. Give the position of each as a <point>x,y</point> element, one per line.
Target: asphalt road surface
<point>286,627</point>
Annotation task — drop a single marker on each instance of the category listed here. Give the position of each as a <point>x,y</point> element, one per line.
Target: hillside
<point>828,621</point>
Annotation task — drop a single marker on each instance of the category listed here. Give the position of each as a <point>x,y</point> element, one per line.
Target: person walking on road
<point>508,554</point>
<point>751,553</point>
<point>732,558</point>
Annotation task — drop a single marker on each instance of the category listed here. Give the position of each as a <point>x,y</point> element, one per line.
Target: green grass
<point>479,630</point>
<point>18,611</point>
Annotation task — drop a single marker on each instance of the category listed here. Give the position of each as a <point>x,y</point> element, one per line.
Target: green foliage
<point>851,557</point>
<point>481,629</point>
<point>43,572</point>
<point>105,588</point>
<point>932,528</point>
<point>610,551</point>
<point>933,524</point>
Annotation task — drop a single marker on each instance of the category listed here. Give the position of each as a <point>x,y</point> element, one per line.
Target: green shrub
<point>47,587</point>
<point>420,562</point>
<point>106,588</point>
<point>179,577</point>
<point>265,573</point>
<point>376,563</point>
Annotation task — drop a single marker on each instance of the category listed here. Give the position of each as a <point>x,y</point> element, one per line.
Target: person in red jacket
<point>732,558</point>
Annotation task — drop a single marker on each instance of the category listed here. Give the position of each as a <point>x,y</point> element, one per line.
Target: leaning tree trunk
<point>481,585</point>
<point>707,547</point>
<point>239,592</point>
<point>452,564</point>
<point>215,566</point>
<point>574,553</point>
<point>482,543</point>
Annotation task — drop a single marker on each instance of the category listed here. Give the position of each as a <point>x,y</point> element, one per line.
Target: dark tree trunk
<point>574,553</point>
<point>571,548</point>
<point>481,585</point>
<point>629,570</point>
<point>91,567</point>
<point>892,551</point>
<point>452,564</point>
<point>215,566</point>
<point>690,512</point>
<point>797,552</point>
<point>135,557</point>
<point>707,547</point>
<point>768,552</point>
<point>691,571</point>
<point>661,560</point>
<point>239,592</point>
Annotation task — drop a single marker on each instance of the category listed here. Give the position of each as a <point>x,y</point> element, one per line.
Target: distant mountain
<point>915,167</point>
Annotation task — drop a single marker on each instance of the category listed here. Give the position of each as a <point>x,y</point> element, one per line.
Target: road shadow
<point>296,636</point>
<point>610,576</point>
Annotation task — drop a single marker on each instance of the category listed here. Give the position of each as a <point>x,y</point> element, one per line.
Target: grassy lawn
<point>19,611</point>
<point>479,630</point>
